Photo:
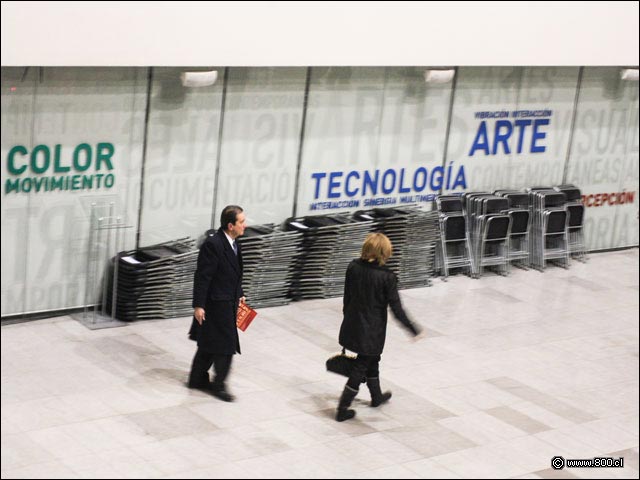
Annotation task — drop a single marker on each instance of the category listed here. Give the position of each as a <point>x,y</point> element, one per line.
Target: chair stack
<point>414,235</point>
<point>575,211</point>
<point>489,227</point>
<point>153,282</point>
<point>269,257</point>
<point>519,250</point>
<point>454,249</point>
<point>307,257</point>
<point>329,243</point>
<point>549,219</point>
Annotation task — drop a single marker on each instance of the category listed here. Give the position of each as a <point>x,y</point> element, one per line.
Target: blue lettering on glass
<point>538,135</point>
<point>350,175</point>
<point>420,172</point>
<point>460,179</point>
<point>481,142</point>
<point>502,137</point>
<point>436,176</point>
<point>364,183</point>
<point>449,175</point>
<point>522,124</point>
<point>503,133</point>
<point>390,173</point>
<point>372,183</point>
<point>318,176</point>
<point>402,188</point>
<point>333,183</point>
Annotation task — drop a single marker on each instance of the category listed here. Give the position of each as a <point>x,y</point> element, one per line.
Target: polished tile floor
<point>513,372</point>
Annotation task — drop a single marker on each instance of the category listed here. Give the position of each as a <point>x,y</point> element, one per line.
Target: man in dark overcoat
<point>217,290</point>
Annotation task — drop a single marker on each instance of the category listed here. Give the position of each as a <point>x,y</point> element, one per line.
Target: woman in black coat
<point>369,289</point>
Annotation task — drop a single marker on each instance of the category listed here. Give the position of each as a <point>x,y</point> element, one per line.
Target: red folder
<point>246,314</point>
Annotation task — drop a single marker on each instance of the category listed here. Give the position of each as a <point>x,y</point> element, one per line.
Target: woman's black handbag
<point>342,364</point>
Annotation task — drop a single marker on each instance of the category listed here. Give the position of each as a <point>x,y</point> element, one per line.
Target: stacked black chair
<point>416,267</point>
<point>575,211</point>
<point>454,250</point>
<point>153,282</point>
<point>269,257</point>
<point>414,235</point>
<point>490,226</point>
<point>329,243</point>
<point>307,257</point>
<point>549,240</point>
<point>488,231</point>
<point>520,214</point>
<point>469,214</point>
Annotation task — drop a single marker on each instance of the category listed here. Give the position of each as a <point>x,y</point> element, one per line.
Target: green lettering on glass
<point>56,161</point>
<point>11,185</point>
<point>34,159</point>
<point>26,185</point>
<point>39,182</point>
<point>104,156</point>
<point>56,183</point>
<point>76,157</point>
<point>10,165</point>
<point>109,180</point>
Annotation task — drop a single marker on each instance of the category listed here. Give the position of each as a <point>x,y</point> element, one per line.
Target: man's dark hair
<point>229,215</point>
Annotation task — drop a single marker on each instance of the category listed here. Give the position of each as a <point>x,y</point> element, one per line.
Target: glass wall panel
<point>483,96</point>
<point>604,157</point>
<point>18,100</point>
<point>511,125</point>
<point>547,94</point>
<point>180,165</point>
<point>341,135</point>
<point>373,138</point>
<point>412,133</point>
<point>84,147</point>
<point>260,140</point>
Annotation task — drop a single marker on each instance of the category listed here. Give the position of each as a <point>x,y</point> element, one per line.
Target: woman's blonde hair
<point>376,247</point>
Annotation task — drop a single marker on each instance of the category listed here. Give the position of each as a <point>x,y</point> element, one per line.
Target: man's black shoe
<point>223,395</point>
<point>200,385</point>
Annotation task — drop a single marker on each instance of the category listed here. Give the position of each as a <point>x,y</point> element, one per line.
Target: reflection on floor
<point>513,372</point>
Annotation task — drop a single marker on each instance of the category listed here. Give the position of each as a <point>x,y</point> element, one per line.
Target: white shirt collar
<point>228,238</point>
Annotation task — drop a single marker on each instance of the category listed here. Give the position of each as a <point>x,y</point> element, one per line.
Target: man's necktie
<point>235,247</point>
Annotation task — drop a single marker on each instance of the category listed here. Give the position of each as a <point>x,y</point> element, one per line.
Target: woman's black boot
<point>344,412</point>
<point>377,397</point>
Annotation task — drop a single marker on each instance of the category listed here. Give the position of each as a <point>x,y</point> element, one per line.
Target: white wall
<point>319,33</point>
